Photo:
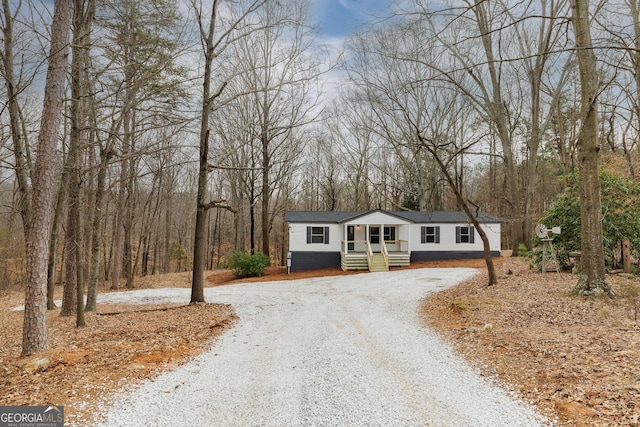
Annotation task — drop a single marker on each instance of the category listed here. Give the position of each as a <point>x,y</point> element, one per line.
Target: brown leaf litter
<point>575,358</point>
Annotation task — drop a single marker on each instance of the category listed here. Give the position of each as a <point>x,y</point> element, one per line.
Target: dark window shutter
<point>326,235</point>
<point>458,234</point>
<point>471,234</point>
<point>423,234</point>
<point>437,234</point>
<point>308,235</point>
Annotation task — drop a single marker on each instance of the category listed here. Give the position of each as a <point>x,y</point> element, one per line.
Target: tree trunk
<point>592,275</point>
<point>73,297</point>
<point>94,270</point>
<point>53,243</point>
<point>215,237</point>
<point>128,119</point>
<point>283,248</point>
<point>34,333</point>
<point>532,161</point>
<point>72,173</point>
<point>499,116</point>
<point>166,261</point>
<point>202,207</point>
<point>72,244</point>
<point>266,168</point>
<point>252,218</point>
<point>491,270</point>
<point>71,240</point>
<point>197,285</point>
<point>118,240</point>
<point>145,255</point>
<point>18,138</point>
<point>128,248</point>
<point>128,218</point>
<point>197,281</point>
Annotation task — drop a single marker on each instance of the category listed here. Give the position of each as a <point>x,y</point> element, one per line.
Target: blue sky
<point>339,18</point>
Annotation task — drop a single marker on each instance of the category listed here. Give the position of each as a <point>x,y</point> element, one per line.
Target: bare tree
<point>15,85</point>
<point>466,57</point>
<point>276,68</point>
<point>414,112</point>
<point>619,24</point>
<point>73,295</point>
<point>348,125</point>
<point>216,35</point>
<point>141,44</point>
<point>325,162</point>
<point>237,155</point>
<point>540,50</point>
<point>19,135</point>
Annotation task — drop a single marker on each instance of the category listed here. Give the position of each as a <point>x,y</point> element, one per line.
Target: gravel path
<point>333,351</point>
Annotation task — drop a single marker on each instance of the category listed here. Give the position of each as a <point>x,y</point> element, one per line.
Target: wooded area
<point>150,136</point>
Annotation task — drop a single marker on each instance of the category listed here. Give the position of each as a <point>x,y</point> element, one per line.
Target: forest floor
<point>576,359</point>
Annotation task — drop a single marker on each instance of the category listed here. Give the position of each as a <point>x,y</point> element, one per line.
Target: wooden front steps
<point>378,262</point>
<point>358,261</point>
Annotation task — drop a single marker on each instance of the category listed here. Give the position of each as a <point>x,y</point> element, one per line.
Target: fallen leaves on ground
<point>574,357</point>
<point>120,346</point>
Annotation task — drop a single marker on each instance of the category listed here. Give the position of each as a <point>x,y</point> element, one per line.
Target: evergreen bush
<point>242,264</point>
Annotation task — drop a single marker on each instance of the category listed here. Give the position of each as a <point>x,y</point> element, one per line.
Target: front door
<point>351,236</point>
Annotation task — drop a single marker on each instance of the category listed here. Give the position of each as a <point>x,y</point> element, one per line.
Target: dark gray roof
<point>337,217</point>
<point>324,217</point>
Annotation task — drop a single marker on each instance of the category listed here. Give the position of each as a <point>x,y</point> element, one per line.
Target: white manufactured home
<point>378,239</point>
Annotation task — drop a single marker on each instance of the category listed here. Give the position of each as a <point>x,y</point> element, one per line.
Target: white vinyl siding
<point>299,238</point>
<point>448,232</point>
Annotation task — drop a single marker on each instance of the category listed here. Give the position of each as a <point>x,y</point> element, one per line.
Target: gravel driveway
<point>333,351</point>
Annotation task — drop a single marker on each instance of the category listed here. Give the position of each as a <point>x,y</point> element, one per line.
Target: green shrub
<point>522,250</point>
<point>620,218</point>
<point>243,264</point>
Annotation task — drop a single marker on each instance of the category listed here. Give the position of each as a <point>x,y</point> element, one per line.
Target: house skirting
<point>301,261</point>
<point>441,255</point>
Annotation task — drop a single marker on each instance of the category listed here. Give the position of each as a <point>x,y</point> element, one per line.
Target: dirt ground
<point>575,358</point>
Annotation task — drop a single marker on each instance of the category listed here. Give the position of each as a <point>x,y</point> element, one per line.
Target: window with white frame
<point>464,234</point>
<point>430,234</point>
